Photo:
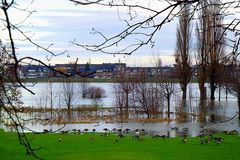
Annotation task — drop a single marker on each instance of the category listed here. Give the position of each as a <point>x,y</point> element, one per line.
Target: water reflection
<point>181,112</point>
<point>187,120</point>
<point>202,111</point>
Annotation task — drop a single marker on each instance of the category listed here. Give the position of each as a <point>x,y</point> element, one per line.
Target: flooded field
<point>192,117</point>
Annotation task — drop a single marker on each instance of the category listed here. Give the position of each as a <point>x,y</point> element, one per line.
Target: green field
<point>92,146</point>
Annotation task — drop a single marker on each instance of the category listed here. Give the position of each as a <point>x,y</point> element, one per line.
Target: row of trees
<point>214,64</point>
<point>136,94</point>
<point>209,47</point>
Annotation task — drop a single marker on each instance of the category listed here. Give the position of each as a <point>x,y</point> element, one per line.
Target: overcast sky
<point>60,22</point>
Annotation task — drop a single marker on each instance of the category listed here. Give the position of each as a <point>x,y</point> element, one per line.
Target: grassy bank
<point>95,147</point>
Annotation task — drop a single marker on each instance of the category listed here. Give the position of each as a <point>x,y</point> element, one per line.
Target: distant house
<point>119,70</point>
<point>103,71</point>
<point>103,74</point>
<point>32,71</point>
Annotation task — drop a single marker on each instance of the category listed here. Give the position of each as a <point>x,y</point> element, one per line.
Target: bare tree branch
<point>146,28</point>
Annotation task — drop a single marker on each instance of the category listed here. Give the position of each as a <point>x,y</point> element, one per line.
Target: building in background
<point>99,71</point>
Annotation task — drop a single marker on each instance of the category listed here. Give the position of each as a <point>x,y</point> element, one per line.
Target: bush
<point>95,92</point>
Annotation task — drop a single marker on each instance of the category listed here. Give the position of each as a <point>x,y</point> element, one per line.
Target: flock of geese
<point>139,134</point>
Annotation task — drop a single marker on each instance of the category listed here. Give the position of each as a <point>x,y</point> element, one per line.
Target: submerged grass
<point>92,146</point>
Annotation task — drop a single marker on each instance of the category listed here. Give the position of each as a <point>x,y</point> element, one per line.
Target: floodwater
<point>219,116</point>
<point>41,90</point>
<point>39,97</point>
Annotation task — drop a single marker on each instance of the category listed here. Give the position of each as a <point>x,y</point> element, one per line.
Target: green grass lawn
<point>95,147</point>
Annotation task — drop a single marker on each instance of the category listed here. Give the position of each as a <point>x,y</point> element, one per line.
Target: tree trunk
<point>0,115</point>
<point>202,111</point>
<point>148,116</point>
<point>69,116</point>
<point>121,112</point>
<point>126,106</point>
<point>219,93</point>
<point>239,107</point>
<point>212,90</point>
<point>168,106</point>
<point>202,91</point>
<point>184,93</point>
<point>226,93</point>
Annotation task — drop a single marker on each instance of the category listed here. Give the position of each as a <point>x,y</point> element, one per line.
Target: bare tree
<point>216,46</point>
<point>234,82</point>
<point>145,27</point>
<point>125,84</point>
<point>119,98</point>
<point>202,48</point>
<point>223,77</point>
<point>168,88</point>
<point>68,93</point>
<point>10,95</point>
<point>182,55</point>
<point>7,80</point>
<point>50,100</point>
<point>148,97</point>
<point>83,87</point>
<point>210,50</point>
<point>221,80</point>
